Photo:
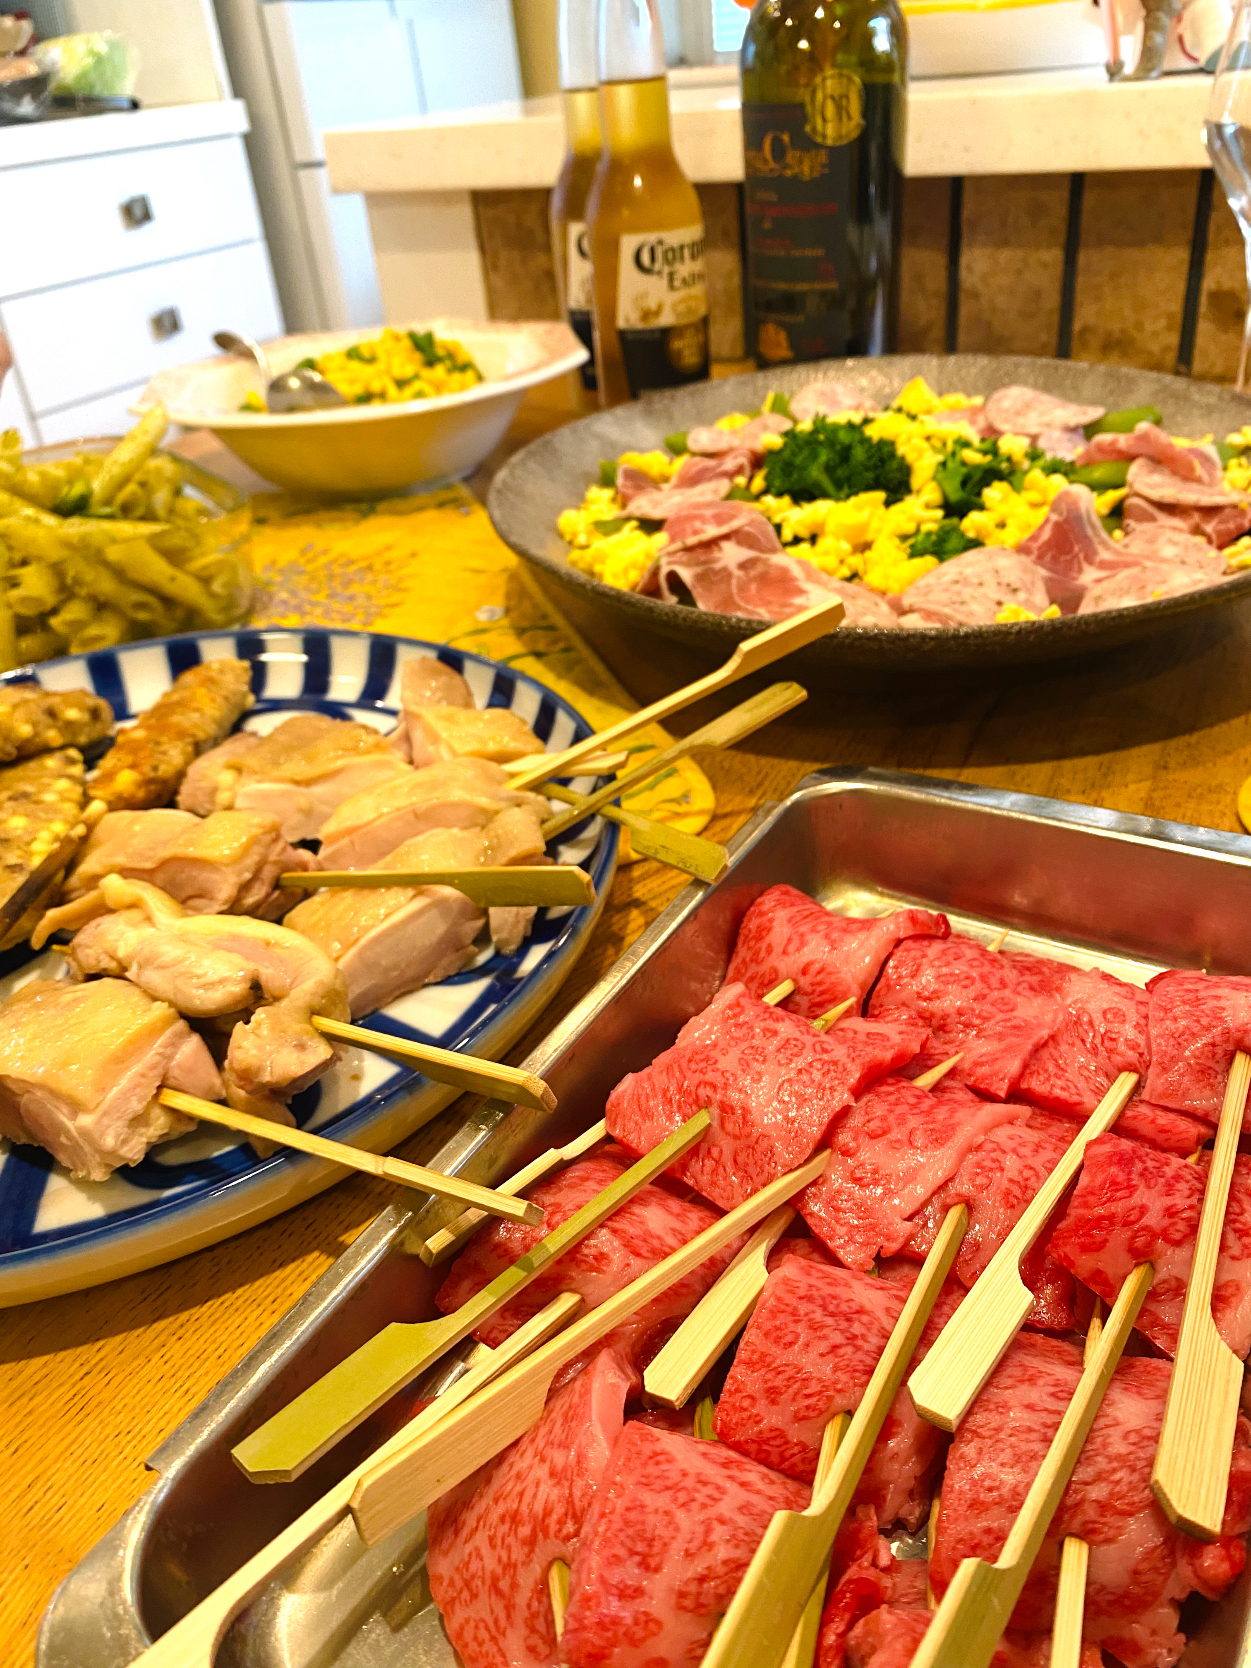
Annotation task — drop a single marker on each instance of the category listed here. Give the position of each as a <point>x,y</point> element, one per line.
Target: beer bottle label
<point>578,285</point>
<point>802,169</point>
<point>662,308</point>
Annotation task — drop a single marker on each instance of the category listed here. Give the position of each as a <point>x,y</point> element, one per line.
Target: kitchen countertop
<point>121,130</point>
<point>94,1381</point>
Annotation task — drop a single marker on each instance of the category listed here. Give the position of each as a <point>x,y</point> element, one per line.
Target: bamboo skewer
<point>307,1427</point>
<point>395,1490</point>
<point>193,1640</point>
<point>935,1074</point>
<point>1070,1612</point>
<point>973,1341</point>
<point>787,1565</point>
<point>591,764</point>
<point>519,885</point>
<point>558,1591</point>
<point>355,1158</point>
<point>1191,1472</point>
<point>802,1650</point>
<point>977,1605</point>
<point>752,655</point>
<point>447,1065</point>
<point>439,1247</point>
<point>736,725</point>
<point>691,853</point>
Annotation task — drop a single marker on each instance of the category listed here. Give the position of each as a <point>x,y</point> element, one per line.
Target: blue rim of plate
<point>500,987</point>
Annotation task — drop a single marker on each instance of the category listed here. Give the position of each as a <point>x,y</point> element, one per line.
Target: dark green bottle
<point>823,115</point>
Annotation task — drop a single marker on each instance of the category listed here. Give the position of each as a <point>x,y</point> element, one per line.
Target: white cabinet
<point>466,54</point>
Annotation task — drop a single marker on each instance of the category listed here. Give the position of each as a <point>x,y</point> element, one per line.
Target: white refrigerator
<point>307,65</point>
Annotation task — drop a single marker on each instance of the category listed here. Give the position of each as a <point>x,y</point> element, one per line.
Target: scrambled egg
<point>620,559</point>
<point>861,537</point>
<point>1238,555</point>
<point>921,443</point>
<point>600,504</point>
<point>398,365</point>
<point>918,399</point>
<point>657,466</point>
<point>1008,516</point>
<point>1238,473</point>
<point>1014,612</point>
<point>732,420</point>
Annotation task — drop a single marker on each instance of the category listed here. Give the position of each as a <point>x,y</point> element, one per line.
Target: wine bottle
<point>579,92</point>
<point>823,112</point>
<point>644,222</point>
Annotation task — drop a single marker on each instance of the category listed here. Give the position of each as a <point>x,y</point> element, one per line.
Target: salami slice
<point>1017,409</point>
<point>659,503</point>
<point>1188,463</point>
<point>974,589</point>
<point>827,399</point>
<point>1162,485</point>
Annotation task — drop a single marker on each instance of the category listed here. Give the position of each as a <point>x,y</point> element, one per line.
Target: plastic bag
<point>96,65</point>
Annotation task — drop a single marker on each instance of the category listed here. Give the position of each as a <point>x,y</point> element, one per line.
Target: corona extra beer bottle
<point>579,92</point>
<point>644,222</point>
<point>823,102</point>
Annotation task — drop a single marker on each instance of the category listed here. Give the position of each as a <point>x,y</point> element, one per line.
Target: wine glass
<point>1227,132</point>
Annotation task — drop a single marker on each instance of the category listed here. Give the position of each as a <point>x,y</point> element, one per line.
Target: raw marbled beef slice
<point>634,1238</point>
<point>772,1084</point>
<point>1132,1205</point>
<point>788,935</point>
<point>994,1008</point>
<point>493,1539</point>
<point>864,1575</point>
<point>888,1638</point>
<point>1198,1022</point>
<point>891,1153</point>
<point>1102,1032</point>
<point>672,1531</point>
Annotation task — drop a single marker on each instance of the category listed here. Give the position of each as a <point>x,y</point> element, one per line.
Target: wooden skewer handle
<point>544,885</point>
<point>1066,1632</point>
<point>690,853</point>
<point>802,1650</point>
<point>447,1065</point>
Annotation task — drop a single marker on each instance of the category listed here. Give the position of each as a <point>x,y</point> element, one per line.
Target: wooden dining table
<point>92,1382</point>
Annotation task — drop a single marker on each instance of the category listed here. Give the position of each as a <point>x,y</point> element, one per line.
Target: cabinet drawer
<point>99,214</point>
<point>110,414</point>
<point>82,340</point>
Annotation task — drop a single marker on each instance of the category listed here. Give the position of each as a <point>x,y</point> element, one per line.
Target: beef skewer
<point>752,655</point>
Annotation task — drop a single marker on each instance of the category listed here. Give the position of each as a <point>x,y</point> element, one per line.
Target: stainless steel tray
<point>1124,893</point>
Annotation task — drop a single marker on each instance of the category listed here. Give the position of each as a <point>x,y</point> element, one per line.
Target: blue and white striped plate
<point>59,1235</point>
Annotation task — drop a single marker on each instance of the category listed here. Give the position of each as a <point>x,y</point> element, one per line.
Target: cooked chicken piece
<point>301,771</point>
<point>496,733</point>
<point>35,720</point>
<point>151,756</point>
<point>208,966</point>
<point>222,864</point>
<point>40,801</point>
<point>80,1068</point>
<point>425,682</point>
<point>459,793</point>
<point>396,939</point>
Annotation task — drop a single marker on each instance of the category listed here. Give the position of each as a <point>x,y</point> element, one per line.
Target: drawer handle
<point>136,211</point>
<point>166,323</point>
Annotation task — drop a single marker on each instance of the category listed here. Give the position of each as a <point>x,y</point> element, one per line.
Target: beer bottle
<point>579,94</point>
<point>644,222</point>
<point>823,97</point>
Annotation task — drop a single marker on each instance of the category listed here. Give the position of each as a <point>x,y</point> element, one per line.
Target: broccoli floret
<point>946,540</point>
<point>963,482</point>
<point>836,460</point>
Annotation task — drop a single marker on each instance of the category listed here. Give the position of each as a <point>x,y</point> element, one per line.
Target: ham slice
<point>827,399</point>
<point>974,589</point>
<point>634,1238</point>
<point>1162,484</point>
<point>1219,526</point>
<point>1072,548</point>
<point>493,1539</point>
<point>891,1153</point>
<point>707,522</point>
<point>1140,1567</point>
<point>659,503</point>
<point>746,574</point>
<point>723,466</point>
<point>673,1528</point>
<point>995,1009</point>
<point>711,440</point>
<point>830,957</point>
<point>1102,1032</point>
<point>1147,440</point>
<point>1133,1205</point>
<point>1197,1023</point>
<point>807,1354</point>
<point>1061,443</point>
<point>771,1082</point>
<point>863,606</point>
<point>1150,581</point>
<point>1165,541</point>
<point>1017,409</point>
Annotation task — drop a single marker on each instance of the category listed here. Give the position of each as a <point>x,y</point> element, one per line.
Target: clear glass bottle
<point>645,225</point>
<point>577,25</point>
<point>823,112</point>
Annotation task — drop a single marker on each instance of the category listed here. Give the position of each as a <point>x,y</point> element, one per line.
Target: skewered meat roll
<point>80,1068</point>
<point>225,967</point>
<point>36,720</point>
<point>301,771</point>
<point>40,801</point>
<point>151,756</point>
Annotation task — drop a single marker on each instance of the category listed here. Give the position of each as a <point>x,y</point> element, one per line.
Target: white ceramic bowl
<point>370,450</point>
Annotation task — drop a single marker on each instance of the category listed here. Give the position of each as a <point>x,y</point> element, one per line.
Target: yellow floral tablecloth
<point>432,566</point>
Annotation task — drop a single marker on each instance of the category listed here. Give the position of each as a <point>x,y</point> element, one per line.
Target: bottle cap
<point>576,39</point>
<point>631,43</point>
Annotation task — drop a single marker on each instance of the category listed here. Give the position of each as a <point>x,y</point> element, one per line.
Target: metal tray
<point>1089,886</point>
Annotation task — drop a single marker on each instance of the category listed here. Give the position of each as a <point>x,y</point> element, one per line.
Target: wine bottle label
<point>578,288</point>
<point>662,308</point>
<point>820,184</point>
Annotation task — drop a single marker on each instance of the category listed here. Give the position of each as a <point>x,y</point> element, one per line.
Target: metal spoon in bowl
<point>299,390</point>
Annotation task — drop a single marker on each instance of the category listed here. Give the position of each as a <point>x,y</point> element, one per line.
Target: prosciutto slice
<point>1071,547</point>
<point>863,606</point>
<point>1187,463</point>
<point>732,576</point>
<point>492,1540</point>
<point>771,1082</point>
<point>1102,1032</point>
<point>710,440</point>
<point>673,1528</point>
<point>633,1239</point>
<point>1140,1567</point>
<point>891,1153</point>
<point>695,470</point>
<point>1197,1023</point>
<point>1219,526</point>
<point>659,503</point>
<point>831,958</point>
<point>1017,409</point>
<point>706,522</point>
<point>974,589</point>
<point>1133,1205</point>
<point>807,1354</point>
<point>826,399</point>
<point>995,1009</point>
<point>1061,443</point>
<point>1163,485</point>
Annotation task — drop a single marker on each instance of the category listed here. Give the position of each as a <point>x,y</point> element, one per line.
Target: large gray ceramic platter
<point>552,473</point>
